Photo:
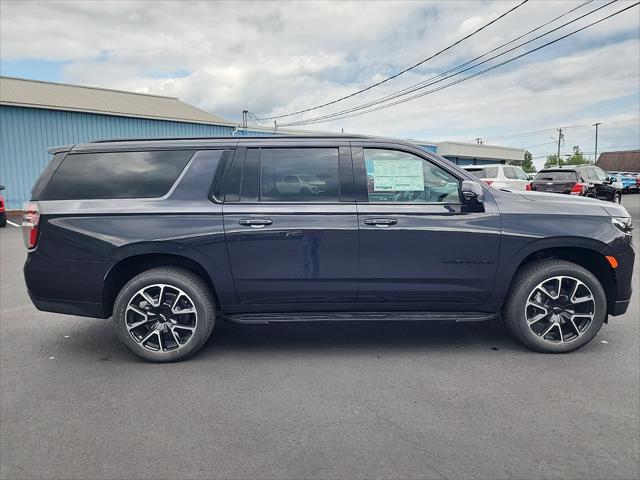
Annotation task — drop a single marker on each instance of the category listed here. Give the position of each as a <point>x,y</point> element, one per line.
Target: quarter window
<point>401,177</point>
<point>307,175</point>
<point>84,176</point>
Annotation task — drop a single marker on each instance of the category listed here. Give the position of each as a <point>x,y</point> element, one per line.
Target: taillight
<point>578,189</point>
<point>488,182</point>
<point>30,221</point>
<point>528,187</point>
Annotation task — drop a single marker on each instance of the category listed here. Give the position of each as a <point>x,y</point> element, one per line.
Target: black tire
<point>3,219</point>
<point>523,285</point>
<point>617,198</point>
<point>198,294</point>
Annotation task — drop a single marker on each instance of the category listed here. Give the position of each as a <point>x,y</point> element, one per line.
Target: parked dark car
<point>3,212</point>
<point>169,236</point>
<point>584,180</point>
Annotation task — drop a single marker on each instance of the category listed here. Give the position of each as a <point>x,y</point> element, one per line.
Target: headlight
<point>623,224</point>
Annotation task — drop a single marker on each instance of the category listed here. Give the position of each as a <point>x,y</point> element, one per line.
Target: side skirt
<point>304,317</point>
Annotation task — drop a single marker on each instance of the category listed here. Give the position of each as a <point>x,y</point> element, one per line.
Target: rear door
<point>292,248</point>
<point>419,248</point>
<point>516,178</point>
<point>602,185</point>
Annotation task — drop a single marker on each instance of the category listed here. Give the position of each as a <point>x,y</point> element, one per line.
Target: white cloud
<point>274,57</point>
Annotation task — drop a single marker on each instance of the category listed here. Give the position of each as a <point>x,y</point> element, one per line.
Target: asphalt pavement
<point>322,401</point>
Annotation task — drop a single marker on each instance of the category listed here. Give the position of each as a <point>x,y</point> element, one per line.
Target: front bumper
<point>623,251</point>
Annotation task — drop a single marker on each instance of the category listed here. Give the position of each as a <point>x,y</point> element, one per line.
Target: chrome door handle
<point>255,222</point>
<point>380,222</point>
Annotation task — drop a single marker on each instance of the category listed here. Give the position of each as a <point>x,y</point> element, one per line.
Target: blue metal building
<point>36,115</point>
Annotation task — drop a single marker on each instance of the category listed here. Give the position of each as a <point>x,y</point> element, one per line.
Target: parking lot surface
<point>321,401</point>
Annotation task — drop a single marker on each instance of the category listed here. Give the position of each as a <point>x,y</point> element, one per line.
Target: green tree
<point>552,161</point>
<point>527,163</point>
<point>576,158</point>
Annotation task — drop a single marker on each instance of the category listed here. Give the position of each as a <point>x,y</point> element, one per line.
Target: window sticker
<point>397,175</point>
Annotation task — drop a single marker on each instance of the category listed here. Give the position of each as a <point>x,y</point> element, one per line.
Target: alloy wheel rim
<point>560,309</point>
<point>161,318</point>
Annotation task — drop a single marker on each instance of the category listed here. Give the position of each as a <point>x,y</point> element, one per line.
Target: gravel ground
<point>322,401</point>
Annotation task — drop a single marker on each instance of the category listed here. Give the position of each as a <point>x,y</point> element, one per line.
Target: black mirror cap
<point>1,187</point>
<point>472,192</point>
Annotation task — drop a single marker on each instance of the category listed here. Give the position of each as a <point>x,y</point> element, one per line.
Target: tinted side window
<point>587,174</point>
<point>600,174</point>
<point>520,175</point>
<point>510,172</point>
<point>116,175</point>
<point>490,172</point>
<point>394,176</point>
<point>307,175</point>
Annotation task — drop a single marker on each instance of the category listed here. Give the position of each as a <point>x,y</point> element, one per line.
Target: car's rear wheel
<point>164,314</point>
<point>555,306</point>
<point>617,198</point>
<point>3,219</point>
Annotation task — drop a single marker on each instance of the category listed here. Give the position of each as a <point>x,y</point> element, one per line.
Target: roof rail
<point>236,137</point>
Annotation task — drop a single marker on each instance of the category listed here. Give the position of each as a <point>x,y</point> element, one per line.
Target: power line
<point>349,112</point>
<point>415,65</point>
<point>318,120</point>
<point>428,82</point>
<point>571,127</point>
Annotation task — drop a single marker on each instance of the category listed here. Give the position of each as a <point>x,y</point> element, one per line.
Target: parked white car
<point>303,183</point>
<point>500,176</point>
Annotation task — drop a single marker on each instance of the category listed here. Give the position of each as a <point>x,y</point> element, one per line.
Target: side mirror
<point>611,179</point>
<point>472,192</point>
<point>1,187</point>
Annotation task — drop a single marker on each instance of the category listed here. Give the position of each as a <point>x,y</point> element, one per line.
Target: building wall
<point>26,133</point>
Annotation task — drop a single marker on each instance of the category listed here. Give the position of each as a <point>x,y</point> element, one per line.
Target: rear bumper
<point>65,286</point>
<point>68,307</point>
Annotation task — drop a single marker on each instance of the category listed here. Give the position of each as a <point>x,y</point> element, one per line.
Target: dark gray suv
<point>168,236</point>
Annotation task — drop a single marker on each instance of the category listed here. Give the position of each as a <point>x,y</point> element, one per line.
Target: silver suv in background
<point>500,176</point>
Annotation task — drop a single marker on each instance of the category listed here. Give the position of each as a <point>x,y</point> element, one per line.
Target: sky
<point>273,58</point>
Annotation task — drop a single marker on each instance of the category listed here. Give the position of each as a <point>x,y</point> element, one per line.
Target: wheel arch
<point>589,257</point>
<point>127,268</point>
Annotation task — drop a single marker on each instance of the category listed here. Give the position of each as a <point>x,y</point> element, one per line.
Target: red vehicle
<point>3,213</point>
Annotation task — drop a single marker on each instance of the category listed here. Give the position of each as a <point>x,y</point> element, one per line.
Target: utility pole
<point>560,137</point>
<point>595,157</point>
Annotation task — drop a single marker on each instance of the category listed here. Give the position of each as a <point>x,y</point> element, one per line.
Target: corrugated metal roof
<point>624,161</point>
<point>60,96</point>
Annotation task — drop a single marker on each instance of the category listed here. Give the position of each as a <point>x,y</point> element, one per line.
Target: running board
<point>296,317</point>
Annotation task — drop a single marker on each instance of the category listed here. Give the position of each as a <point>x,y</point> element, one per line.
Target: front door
<point>291,228</point>
<point>420,248</point>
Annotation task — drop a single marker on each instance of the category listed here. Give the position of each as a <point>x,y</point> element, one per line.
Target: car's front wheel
<point>164,314</point>
<point>555,306</point>
<point>617,198</point>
